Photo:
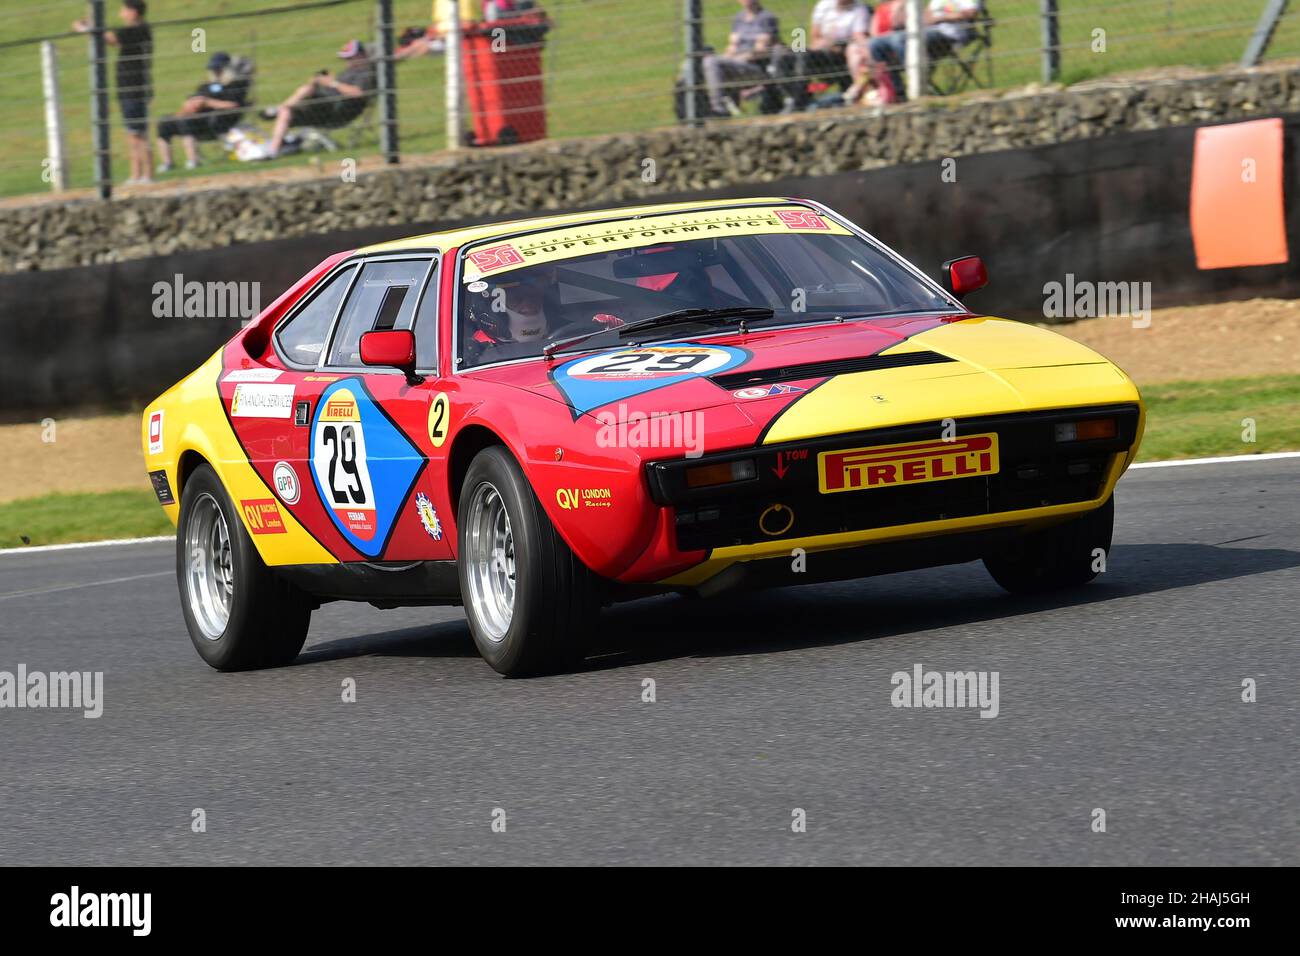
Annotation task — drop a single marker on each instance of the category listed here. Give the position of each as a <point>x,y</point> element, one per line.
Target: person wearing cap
<point>215,107</point>
<point>327,101</point>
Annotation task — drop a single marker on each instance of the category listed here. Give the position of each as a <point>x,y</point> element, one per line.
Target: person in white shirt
<point>837,48</point>
<point>949,24</point>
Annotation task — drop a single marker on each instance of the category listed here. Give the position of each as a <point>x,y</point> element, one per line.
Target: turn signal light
<point>702,476</point>
<point>1087,430</point>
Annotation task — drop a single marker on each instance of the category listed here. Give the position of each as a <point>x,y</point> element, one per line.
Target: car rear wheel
<point>1062,556</point>
<point>240,615</point>
<point>531,603</point>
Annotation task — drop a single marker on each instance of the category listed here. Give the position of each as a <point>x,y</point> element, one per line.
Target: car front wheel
<point>240,615</point>
<point>531,603</point>
<point>1062,556</point>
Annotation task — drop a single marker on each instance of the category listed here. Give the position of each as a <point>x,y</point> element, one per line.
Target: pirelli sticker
<point>574,241</point>
<point>909,463</point>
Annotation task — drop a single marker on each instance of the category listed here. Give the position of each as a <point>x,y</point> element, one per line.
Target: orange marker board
<point>1237,212</point>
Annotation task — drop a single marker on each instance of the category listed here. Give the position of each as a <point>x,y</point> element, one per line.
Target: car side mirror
<point>391,348</point>
<point>966,275</point>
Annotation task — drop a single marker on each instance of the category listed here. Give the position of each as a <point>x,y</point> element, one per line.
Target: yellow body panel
<point>194,420</point>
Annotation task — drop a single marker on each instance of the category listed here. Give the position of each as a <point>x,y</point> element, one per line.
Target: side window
<point>383,298</point>
<point>426,325</point>
<point>302,338</point>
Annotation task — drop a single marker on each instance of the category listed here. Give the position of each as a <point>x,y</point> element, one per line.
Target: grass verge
<point>1209,419</point>
<point>93,516</point>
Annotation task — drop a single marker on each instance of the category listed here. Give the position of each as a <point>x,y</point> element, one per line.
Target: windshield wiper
<point>676,317</point>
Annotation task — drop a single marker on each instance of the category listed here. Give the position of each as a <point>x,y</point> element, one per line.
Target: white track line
<point>1270,456</point>
<point>33,592</point>
<point>86,544</point>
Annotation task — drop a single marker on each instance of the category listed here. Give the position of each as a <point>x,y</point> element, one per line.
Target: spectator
<point>753,42</point>
<point>213,109</point>
<point>134,41</point>
<point>948,25</point>
<point>838,41</point>
<point>326,101</point>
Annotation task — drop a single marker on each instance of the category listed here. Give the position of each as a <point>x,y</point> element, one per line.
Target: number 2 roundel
<point>362,464</point>
<point>596,380</point>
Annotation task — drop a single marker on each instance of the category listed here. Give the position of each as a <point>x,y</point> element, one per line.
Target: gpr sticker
<point>286,482</point>
<point>362,464</point>
<point>262,515</point>
<point>428,517</point>
<point>156,433</point>
<point>262,401</point>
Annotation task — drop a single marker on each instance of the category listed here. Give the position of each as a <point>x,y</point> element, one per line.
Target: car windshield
<point>522,294</point>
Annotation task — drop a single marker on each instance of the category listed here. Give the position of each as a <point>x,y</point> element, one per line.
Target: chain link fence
<point>506,71</point>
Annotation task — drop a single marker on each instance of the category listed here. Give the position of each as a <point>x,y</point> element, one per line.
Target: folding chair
<point>969,65</point>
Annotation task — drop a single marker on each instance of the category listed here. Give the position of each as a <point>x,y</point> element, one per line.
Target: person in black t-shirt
<point>215,107</point>
<point>134,41</point>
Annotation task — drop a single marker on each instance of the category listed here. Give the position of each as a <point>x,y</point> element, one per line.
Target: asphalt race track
<point>1124,696</point>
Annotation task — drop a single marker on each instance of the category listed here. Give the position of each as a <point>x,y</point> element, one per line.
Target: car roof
<point>459,237</point>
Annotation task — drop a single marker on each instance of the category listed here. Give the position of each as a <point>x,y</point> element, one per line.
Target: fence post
<point>387,81</point>
<point>455,74</point>
<point>693,81</point>
<point>1263,35</point>
<point>916,52</point>
<point>53,118</point>
<point>1051,41</point>
<point>99,100</point>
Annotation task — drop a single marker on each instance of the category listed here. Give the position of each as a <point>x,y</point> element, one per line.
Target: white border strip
<point>1270,456</point>
<point>86,544</point>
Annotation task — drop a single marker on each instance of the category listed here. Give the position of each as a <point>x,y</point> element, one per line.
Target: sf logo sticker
<point>339,460</point>
<point>439,419</point>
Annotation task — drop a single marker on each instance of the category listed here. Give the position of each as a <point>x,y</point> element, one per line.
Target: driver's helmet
<point>509,312</point>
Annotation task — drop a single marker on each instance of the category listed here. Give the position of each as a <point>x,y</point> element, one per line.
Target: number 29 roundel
<point>363,465</point>
<point>608,377</point>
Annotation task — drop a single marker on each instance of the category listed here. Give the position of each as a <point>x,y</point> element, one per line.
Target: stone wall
<point>609,170</point>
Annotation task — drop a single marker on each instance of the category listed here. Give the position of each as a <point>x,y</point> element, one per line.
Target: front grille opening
<point>1032,482</point>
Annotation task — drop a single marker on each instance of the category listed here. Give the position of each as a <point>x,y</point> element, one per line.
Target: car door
<point>370,444</point>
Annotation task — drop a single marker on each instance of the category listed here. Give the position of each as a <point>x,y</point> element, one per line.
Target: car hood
<point>923,367</point>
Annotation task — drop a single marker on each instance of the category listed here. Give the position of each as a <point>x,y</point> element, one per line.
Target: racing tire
<point>1061,556</point>
<point>240,614</point>
<point>531,604</point>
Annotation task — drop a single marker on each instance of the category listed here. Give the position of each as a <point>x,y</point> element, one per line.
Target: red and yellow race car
<point>537,418</point>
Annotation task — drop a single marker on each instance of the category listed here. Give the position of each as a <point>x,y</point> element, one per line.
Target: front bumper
<point>1035,471</point>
